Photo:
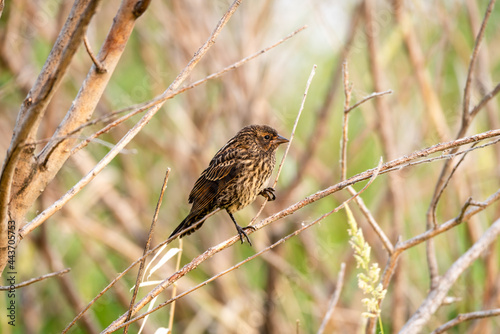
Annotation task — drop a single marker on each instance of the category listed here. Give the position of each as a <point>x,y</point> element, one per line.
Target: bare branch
<point>369,97</point>
<point>467,317</point>
<point>343,155</point>
<point>34,280</point>
<point>402,246</point>
<point>309,80</point>
<point>449,224</point>
<point>99,67</point>
<point>321,128</point>
<point>134,110</point>
<point>308,84</point>
<point>373,223</point>
<point>347,102</point>
<point>148,244</point>
<point>334,299</point>
<point>437,295</point>
<point>466,114</point>
<point>174,289</point>
<point>485,100</point>
<point>443,179</point>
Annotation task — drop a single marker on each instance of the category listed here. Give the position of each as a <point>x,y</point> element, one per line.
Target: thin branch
<point>437,295</point>
<point>347,102</point>
<point>148,244</point>
<point>98,65</point>
<point>308,84</point>
<point>334,299</point>
<point>452,172</point>
<point>444,156</point>
<point>449,224</point>
<point>369,97</point>
<point>432,263</point>
<point>343,155</point>
<point>466,205</point>
<point>431,233</point>
<point>347,110</point>
<point>443,181</point>
<point>292,135</point>
<point>174,289</point>
<point>466,115</point>
<point>485,100</point>
<point>373,223</point>
<point>34,280</point>
<point>321,127</point>
<point>164,96</point>
<point>467,317</point>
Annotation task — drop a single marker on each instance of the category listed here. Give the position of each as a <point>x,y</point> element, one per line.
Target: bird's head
<point>264,137</point>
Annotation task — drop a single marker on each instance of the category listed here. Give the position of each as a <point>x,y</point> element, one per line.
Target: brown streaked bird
<point>235,176</point>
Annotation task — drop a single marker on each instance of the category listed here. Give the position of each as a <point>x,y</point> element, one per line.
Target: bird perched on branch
<point>235,176</point>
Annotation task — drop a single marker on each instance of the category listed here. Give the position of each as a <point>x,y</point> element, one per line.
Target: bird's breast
<point>253,174</point>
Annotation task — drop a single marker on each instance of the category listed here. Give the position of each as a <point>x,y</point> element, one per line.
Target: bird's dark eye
<point>267,137</point>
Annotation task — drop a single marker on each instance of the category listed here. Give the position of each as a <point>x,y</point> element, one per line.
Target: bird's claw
<point>268,193</point>
<point>242,233</point>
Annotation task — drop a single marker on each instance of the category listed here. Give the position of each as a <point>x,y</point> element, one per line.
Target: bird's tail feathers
<point>187,223</point>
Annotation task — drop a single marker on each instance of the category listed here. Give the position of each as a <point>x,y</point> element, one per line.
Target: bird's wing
<point>221,170</point>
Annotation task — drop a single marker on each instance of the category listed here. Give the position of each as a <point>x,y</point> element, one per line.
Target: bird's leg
<point>241,230</point>
<point>268,193</point>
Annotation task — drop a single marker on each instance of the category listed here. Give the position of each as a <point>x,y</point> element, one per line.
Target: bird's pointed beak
<point>281,140</point>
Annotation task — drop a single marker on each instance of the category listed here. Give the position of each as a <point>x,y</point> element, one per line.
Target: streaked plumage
<point>235,176</point>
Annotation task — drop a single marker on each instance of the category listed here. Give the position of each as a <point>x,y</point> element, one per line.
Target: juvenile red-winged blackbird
<point>235,176</point>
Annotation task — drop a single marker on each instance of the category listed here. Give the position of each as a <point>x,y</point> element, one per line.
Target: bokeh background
<point>104,228</point>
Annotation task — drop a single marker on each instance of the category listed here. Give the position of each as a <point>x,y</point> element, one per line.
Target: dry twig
<point>343,156</point>
<point>36,279</point>
<point>98,65</point>
<point>466,317</point>
<point>148,244</point>
<point>334,299</point>
<point>437,295</point>
<point>309,80</point>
